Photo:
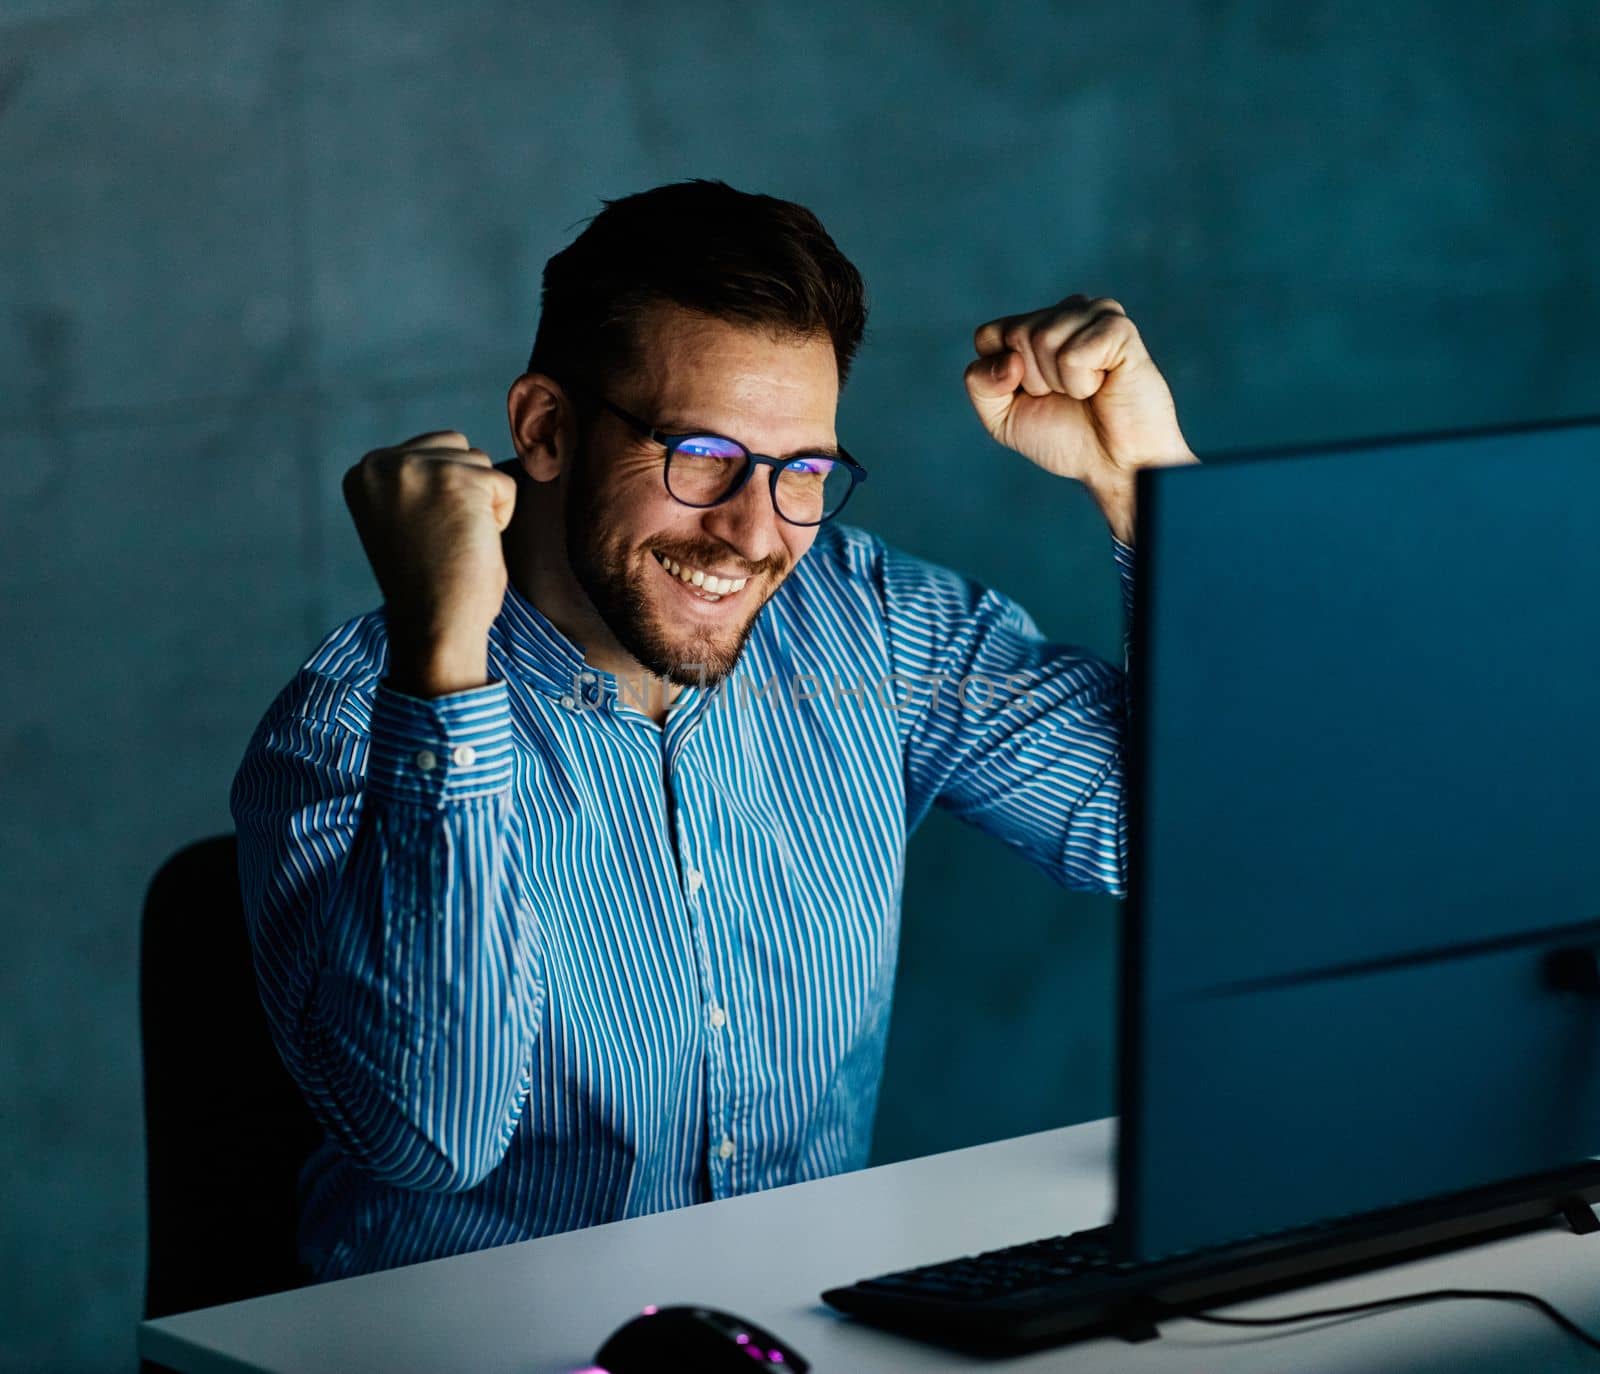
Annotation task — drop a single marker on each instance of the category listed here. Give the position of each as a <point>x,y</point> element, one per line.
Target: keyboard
<point>1022,1297</point>
<point>1048,1292</point>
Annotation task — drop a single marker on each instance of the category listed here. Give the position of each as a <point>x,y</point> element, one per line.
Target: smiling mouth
<point>700,584</point>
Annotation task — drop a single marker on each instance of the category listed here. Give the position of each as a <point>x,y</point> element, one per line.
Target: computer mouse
<point>687,1339</point>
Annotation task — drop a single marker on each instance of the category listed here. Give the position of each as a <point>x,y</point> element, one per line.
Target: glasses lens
<point>704,468</point>
<point>812,487</point>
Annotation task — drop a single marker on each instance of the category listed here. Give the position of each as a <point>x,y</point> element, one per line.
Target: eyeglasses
<point>704,470</point>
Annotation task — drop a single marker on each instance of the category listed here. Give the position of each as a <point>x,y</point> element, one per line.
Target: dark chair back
<point>226,1129</point>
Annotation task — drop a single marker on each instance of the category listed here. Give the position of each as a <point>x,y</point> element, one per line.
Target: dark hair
<point>704,246</point>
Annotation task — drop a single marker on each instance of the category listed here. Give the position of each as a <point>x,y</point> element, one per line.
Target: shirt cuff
<point>435,751</point>
<point>1123,553</point>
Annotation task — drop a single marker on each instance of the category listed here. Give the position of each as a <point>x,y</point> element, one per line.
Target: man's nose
<point>747,521</point>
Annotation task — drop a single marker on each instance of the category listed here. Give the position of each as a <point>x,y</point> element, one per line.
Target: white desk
<point>545,1306</point>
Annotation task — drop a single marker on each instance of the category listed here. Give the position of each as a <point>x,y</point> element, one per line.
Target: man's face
<point>776,396</point>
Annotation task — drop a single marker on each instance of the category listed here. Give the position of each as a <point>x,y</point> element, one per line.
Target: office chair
<point>226,1129</point>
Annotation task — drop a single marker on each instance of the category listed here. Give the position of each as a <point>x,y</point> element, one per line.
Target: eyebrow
<point>673,425</point>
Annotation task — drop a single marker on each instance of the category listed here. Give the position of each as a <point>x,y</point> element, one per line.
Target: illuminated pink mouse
<point>673,1340</point>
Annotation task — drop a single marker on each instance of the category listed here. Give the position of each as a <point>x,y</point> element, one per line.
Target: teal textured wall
<point>242,243</point>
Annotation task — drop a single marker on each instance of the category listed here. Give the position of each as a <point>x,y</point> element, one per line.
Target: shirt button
<point>726,1148</point>
<point>697,880</point>
<point>569,702</point>
<point>426,760</point>
<point>719,1018</point>
<point>465,754</point>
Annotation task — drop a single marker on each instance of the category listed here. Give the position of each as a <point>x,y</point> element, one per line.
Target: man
<point>573,874</point>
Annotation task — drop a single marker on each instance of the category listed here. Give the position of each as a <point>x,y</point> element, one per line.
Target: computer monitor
<point>1365,818</point>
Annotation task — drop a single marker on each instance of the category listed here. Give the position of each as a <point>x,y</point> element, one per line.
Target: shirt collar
<point>529,640</point>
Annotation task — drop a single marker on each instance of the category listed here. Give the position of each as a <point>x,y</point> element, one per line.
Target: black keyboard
<point>1024,1296</point>
<point>1063,1288</point>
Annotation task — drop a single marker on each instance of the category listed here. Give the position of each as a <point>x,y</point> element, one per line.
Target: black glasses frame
<point>672,442</point>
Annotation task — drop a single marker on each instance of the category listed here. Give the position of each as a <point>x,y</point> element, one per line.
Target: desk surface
<point>545,1306</point>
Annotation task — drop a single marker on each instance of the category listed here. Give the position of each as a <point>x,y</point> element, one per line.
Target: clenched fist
<point>1073,389</point>
<point>430,513</point>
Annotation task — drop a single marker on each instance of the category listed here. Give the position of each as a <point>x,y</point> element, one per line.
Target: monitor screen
<point>1365,783</point>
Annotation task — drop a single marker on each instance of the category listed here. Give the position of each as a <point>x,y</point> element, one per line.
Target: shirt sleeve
<point>1122,554</point>
<point>1019,736</point>
<point>400,974</point>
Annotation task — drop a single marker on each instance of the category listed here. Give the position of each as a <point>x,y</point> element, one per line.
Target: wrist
<point>1116,503</point>
<point>427,666</point>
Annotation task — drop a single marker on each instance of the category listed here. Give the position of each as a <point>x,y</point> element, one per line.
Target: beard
<point>615,578</point>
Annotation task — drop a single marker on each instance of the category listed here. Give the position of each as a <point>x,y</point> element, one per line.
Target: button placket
<point>718,1088</point>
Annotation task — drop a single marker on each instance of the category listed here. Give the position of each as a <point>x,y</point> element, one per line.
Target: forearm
<point>1115,498</point>
<point>425,664</point>
<point>1115,493</point>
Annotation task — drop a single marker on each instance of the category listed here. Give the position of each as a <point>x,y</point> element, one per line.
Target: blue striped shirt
<point>538,963</point>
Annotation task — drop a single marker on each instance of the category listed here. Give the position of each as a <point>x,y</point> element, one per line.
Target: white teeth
<point>712,588</point>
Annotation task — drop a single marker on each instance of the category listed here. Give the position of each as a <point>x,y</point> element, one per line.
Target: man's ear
<point>543,424</point>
